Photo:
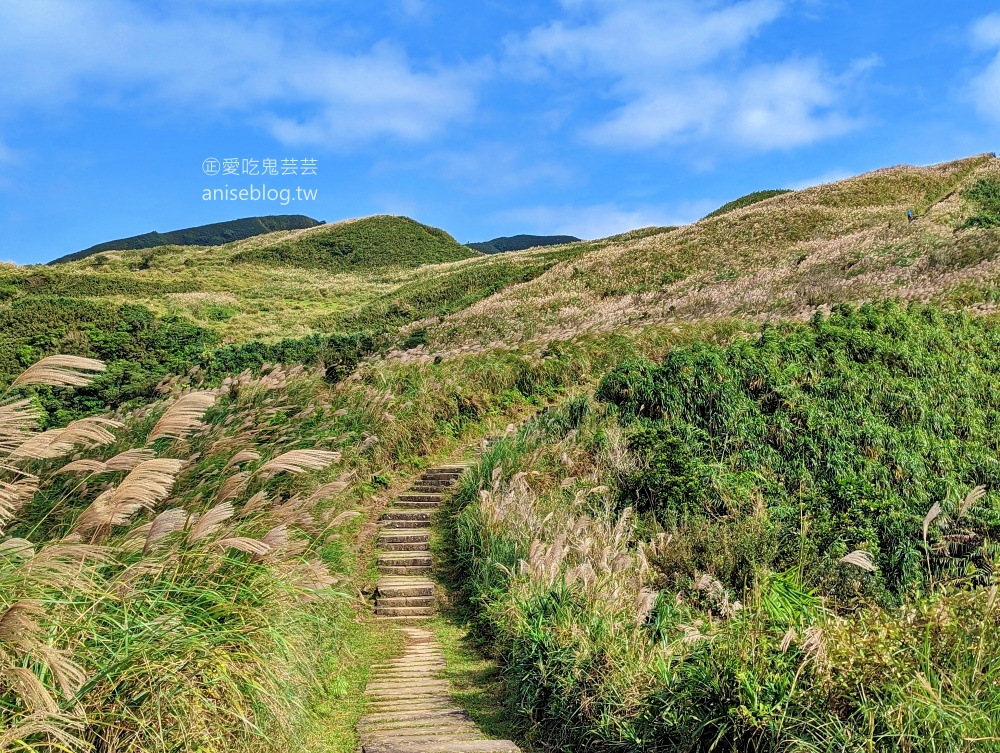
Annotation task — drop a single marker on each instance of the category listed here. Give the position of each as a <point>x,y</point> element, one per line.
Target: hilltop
<point>369,243</point>
<point>215,234</point>
<point>520,243</point>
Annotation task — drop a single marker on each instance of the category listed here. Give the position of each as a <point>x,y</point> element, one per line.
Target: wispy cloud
<point>7,155</point>
<point>679,72</point>
<point>191,55</point>
<point>830,176</point>
<point>498,168</point>
<point>985,88</point>
<point>597,220</point>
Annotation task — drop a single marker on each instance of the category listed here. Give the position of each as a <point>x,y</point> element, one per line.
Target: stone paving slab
<point>412,710</point>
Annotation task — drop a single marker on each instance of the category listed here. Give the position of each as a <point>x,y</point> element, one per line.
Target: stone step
<point>425,497</point>
<point>406,515</point>
<point>427,489</point>
<point>406,504</point>
<point>405,569</point>
<point>404,620</point>
<point>404,537</point>
<point>412,718</point>
<point>417,662</point>
<point>427,737</point>
<point>409,660</point>
<point>418,546</point>
<point>404,587</point>
<point>403,525</point>
<point>390,687</point>
<point>436,702</point>
<point>405,611</point>
<point>480,746</point>
<point>404,558</point>
<point>404,601</point>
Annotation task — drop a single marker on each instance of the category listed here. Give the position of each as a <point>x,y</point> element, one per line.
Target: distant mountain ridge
<point>520,242</point>
<point>214,234</point>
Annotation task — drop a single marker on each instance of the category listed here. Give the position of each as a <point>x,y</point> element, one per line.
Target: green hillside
<point>520,243</point>
<point>741,489</point>
<point>370,243</point>
<point>216,234</point>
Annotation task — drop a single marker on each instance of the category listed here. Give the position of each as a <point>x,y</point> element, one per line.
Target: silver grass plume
<point>60,371</point>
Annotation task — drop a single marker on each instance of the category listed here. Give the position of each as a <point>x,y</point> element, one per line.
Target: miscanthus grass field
<point>741,492</point>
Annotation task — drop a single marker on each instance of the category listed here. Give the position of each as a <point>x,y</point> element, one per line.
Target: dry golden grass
<point>783,257</point>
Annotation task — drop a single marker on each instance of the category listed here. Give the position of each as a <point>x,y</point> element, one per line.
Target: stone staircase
<point>405,592</point>
<point>412,710</point>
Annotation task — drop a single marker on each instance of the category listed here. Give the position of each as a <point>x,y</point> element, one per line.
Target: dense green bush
<point>368,243</point>
<point>445,293</point>
<point>844,432</point>
<point>141,348</point>
<point>985,195</point>
<point>602,654</point>
<point>340,353</point>
<point>748,200</point>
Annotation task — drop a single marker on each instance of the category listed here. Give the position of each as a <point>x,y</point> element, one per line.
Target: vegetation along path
<point>412,709</point>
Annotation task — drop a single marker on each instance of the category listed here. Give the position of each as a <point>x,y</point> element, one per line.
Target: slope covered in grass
<point>183,576</point>
<point>748,200</point>
<point>760,545</point>
<point>215,234</point>
<point>369,243</point>
<point>762,540</point>
<point>782,257</point>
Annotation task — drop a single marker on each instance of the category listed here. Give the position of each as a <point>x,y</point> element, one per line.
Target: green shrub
<point>368,243</point>
<point>749,200</point>
<point>846,431</point>
<point>985,195</point>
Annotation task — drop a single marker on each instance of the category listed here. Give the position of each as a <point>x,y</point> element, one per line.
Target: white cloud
<point>413,8</point>
<point>188,56</point>
<point>598,220</point>
<point>986,31</point>
<point>985,88</point>
<point>679,69</point>
<point>641,41</point>
<point>830,176</point>
<point>498,168</point>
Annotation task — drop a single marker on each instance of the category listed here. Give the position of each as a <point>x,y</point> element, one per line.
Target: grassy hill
<point>520,243</point>
<point>745,494</point>
<point>781,257</point>
<point>365,244</point>
<point>216,234</point>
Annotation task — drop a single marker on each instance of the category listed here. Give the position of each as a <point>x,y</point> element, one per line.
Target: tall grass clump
<point>690,566</point>
<point>161,585</point>
<point>839,435</point>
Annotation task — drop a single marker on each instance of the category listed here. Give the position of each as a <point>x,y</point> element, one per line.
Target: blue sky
<point>586,117</point>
